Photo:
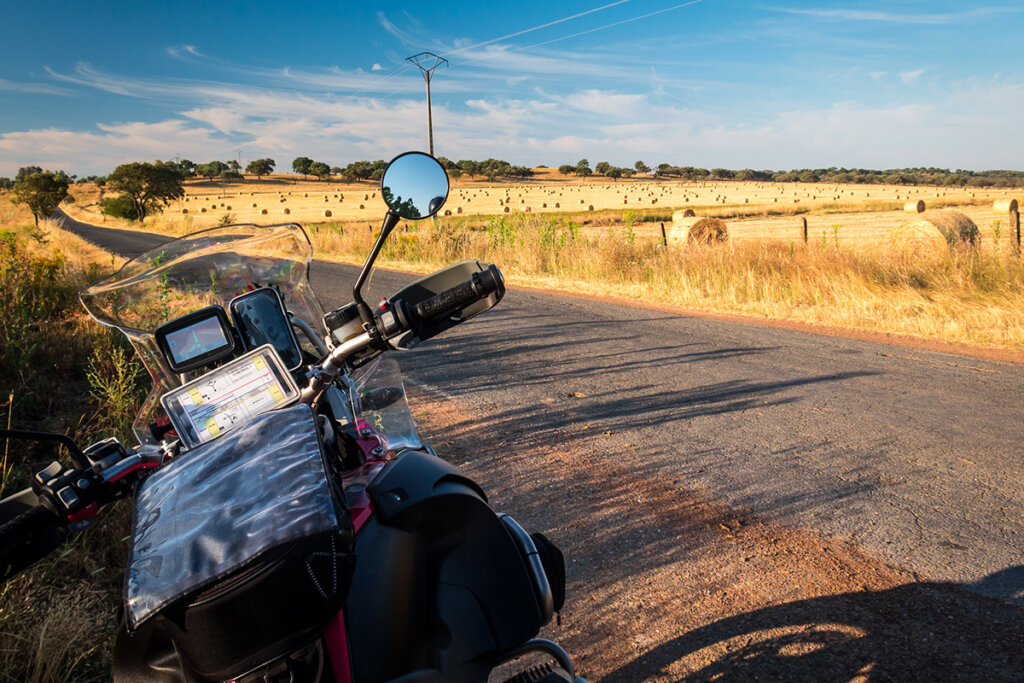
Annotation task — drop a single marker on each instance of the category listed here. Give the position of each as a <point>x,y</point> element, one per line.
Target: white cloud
<point>908,77</point>
<point>32,88</point>
<point>376,67</point>
<point>936,19</point>
<point>341,116</point>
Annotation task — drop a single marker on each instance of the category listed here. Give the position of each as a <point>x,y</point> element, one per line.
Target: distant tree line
<point>899,176</point>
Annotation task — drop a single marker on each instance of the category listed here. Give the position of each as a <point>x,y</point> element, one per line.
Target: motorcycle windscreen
<point>223,504</point>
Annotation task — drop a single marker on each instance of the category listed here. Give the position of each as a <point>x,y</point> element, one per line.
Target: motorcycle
<point>288,523</point>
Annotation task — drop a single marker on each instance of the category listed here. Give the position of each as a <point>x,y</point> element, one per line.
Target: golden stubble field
<point>855,215</point>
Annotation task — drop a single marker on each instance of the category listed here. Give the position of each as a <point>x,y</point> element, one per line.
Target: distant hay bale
<point>914,207</point>
<point>505,210</point>
<point>699,230</point>
<point>557,205</point>
<point>184,210</point>
<point>254,205</point>
<point>361,206</point>
<point>681,214</point>
<point>447,212</point>
<point>228,207</point>
<point>263,212</point>
<point>1004,205</point>
<point>590,207</point>
<point>287,211</point>
<point>327,213</point>
<point>458,209</point>
<point>202,210</point>
<point>923,233</point>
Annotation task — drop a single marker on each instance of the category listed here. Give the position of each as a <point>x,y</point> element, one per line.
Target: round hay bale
<point>458,209</point>
<point>590,207</point>
<point>447,212</point>
<point>918,238</point>
<point>953,226</point>
<point>557,205</point>
<point>184,210</point>
<point>228,207</point>
<point>361,206</point>
<point>543,205</point>
<point>202,210</point>
<point>327,213</point>
<point>263,212</point>
<point>287,211</point>
<point>1004,205</point>
<point>681,214</point>
<point>914,207</point>
<point>505,210</point>
<point>699,230</point>
<point>254,205</point>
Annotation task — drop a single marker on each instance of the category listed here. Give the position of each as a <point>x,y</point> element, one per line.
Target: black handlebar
<point>479,286</point>
<point>26,527</point>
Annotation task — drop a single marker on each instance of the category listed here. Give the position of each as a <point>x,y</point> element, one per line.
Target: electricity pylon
<point>427,62</point>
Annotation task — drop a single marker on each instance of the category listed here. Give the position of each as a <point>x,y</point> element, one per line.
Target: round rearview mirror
<point>414,185</point>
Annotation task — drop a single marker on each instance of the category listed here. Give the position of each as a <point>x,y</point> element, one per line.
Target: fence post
<point>803,220</point>
<point>1015,228</point>
<point>664,237</point>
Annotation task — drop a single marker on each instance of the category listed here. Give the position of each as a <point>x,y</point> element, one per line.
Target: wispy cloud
<point>933,19</point>
<point>908,77</point>
<point>32,88</point>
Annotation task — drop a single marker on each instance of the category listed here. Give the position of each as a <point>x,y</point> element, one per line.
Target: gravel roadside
<point>665,584</point>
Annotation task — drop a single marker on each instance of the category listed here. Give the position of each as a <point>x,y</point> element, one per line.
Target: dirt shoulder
<point>665,584</point>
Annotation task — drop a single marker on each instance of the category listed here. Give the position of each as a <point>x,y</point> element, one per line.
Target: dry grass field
<point>754,210</point>
<point>604,238</point>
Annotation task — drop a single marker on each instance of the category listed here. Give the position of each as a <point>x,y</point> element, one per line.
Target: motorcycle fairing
<point>455,590</point>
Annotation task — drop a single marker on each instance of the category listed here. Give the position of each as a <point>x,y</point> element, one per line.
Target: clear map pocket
<point>230,396</point>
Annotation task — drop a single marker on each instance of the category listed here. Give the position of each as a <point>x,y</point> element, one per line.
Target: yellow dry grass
<point>847,275</point>
<point>764,209</point>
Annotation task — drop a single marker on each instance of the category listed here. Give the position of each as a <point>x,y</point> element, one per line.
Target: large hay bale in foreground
<point>953,227</point>
<point>699,230</point>
<point>1004,205</point>
<point>914,206</point>
<point>918,238</point>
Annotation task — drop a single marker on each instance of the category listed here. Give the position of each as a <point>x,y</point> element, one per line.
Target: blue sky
<point>730,83</point>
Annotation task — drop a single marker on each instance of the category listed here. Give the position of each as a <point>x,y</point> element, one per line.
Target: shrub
<point>119,207</point>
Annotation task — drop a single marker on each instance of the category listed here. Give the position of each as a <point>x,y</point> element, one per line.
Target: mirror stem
<point>390,221</point>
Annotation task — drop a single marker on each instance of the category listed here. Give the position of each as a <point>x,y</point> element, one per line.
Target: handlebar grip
<point>479,286</point>
<point>23,528</point>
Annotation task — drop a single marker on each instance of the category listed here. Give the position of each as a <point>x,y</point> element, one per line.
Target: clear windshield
<point>202,269</point>
<point>378,399</point>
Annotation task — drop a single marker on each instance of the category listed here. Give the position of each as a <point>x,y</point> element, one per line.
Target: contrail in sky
<point>599,28</point>
<point>537,28</point>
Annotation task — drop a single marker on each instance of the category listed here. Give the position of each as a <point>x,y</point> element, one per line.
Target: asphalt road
<point>916,456</point>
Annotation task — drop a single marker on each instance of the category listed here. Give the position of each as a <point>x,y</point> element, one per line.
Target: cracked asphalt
<point>915,456</point>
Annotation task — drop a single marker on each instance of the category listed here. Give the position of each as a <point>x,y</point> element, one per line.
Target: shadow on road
<point>917,631</point>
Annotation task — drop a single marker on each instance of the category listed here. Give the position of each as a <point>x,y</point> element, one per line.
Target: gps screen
<point>196,340</point>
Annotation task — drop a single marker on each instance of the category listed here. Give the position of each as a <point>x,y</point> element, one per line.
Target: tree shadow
<point>916,631</point>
